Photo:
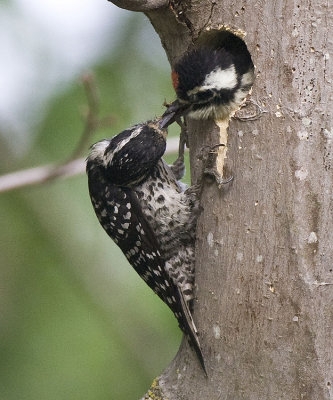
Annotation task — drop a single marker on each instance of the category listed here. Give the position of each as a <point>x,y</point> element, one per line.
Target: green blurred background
<point>76,322</point>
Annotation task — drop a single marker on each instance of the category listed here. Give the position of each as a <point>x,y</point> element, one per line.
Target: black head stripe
<point>193,68</point>
<point>135,155</point>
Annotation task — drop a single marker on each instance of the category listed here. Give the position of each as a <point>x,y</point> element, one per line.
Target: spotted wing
<point>120,214</point>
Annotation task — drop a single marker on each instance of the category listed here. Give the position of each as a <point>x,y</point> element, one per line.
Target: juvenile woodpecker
<point>145,210</point>
<point>212,80</point>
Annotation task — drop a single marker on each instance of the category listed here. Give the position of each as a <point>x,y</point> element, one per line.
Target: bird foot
<point>178,167</point>
<point>212,172</point>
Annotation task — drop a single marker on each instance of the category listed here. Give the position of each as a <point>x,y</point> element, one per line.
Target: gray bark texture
<point>264,252</point>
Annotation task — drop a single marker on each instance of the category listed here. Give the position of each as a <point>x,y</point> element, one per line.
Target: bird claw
<point>217,177</point>
<point>178,167</point>
<point>183,137</point>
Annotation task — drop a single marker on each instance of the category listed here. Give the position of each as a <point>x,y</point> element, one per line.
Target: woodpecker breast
<point>172,215</point>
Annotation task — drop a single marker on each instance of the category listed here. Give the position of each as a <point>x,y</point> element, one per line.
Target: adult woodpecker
<point>145,210</point>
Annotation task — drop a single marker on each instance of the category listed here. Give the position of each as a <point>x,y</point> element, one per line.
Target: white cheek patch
<point>218,79</point>
<point>108,158</point>
<point>221,79</point>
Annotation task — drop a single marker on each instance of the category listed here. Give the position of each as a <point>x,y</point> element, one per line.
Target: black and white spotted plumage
<point>212,80</point>
<point>147,213</point>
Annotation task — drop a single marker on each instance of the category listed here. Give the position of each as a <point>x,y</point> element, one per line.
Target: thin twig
<point>72,165</point>
<point>40,175</point>
<point>43,174</point>
<point>92,122</point>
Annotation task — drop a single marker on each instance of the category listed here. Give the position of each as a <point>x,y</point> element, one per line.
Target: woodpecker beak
<point>174,111</point>
<point>167,119</point>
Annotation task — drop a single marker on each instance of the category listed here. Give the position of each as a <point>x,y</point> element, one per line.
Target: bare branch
<point>140,5</point>
<point>40,175</point>
<point>46,173</point>
<point>73,165</point>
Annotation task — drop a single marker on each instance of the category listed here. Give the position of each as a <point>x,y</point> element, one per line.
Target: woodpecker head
<point>128,157</point>
<point>211,81</point>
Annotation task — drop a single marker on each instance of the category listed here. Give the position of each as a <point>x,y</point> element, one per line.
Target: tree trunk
<point>264,252</point>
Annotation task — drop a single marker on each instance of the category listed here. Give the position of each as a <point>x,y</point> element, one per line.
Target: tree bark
<point>264,270</point>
